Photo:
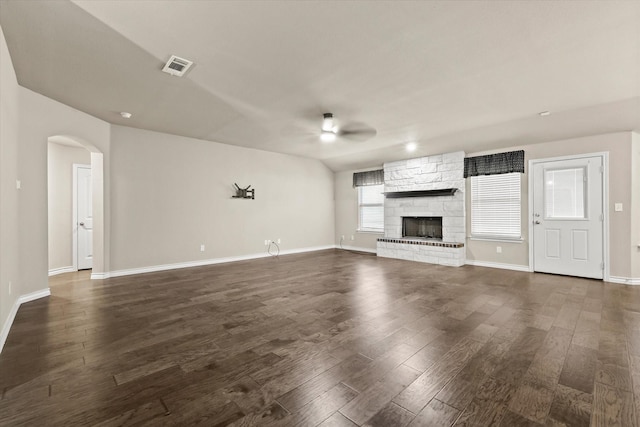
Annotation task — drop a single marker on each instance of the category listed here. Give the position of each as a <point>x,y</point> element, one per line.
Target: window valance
<point>376,177</point>
<point>494,164</point>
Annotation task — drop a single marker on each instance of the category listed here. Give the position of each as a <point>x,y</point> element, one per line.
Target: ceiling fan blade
<point>300,131</point>
<point>357,131</point>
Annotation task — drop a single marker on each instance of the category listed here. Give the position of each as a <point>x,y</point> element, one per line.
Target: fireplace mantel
<point>420,193</point>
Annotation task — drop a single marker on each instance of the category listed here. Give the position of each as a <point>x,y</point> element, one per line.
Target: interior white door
<point>568,221</point>
<point>84,215</point>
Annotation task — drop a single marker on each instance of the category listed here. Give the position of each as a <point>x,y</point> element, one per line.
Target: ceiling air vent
<point>177,66</point>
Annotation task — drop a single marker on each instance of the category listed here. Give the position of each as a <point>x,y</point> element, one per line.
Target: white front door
<point>568,221</point>
<point>84,215</point>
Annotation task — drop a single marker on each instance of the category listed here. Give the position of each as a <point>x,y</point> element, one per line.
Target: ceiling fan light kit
<point>327,136</point>
<point>356,131</point>
<point>327,122</point>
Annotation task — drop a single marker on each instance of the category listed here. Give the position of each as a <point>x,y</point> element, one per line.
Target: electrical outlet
<point>342,237</point>
<point>499,249</point>
<point>353,237</point>
<point>266,242</point>
<point>278,241</point>
<point>201,248</point>
<point>617,207</point>
<point>18,184</point>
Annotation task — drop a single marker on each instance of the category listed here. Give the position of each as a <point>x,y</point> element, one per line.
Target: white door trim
<point>74,215</point>
<point>605,204</point>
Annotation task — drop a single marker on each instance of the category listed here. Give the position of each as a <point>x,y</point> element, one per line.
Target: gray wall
<point>60,177</point>
<point>619,147</point>
<point>41,118</point>
<point>9,266</point>
<point>346,214</point>
<point>27,120</point>
<point>171,194</point>
<point>623,182</point>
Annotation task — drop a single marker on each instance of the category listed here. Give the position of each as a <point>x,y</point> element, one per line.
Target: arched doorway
<point>66,156</point>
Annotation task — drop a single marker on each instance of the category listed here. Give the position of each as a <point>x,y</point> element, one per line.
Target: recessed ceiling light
<point>125,115</point>
<point>544,113</point>
<point>411,146</point>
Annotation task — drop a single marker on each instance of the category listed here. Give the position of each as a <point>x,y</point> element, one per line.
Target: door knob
<point>82,223</point>
<point>536,222</point>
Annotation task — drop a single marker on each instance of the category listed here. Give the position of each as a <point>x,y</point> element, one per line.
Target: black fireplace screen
<point>429,227</point>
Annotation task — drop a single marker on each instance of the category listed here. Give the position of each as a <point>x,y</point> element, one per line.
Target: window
<point>371,208</point>
<point>495,206</point>
<point>564,193</point>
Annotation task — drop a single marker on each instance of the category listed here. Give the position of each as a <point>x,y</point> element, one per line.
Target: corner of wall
<point>10,285</point>
<point>346,215</point>
<point>635,206</point>
<point>6,326</point>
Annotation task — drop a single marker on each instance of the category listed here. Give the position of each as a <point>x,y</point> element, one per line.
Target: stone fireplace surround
<point>426,173</point>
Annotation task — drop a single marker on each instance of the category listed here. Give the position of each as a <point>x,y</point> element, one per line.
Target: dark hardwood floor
<point>331,338</point>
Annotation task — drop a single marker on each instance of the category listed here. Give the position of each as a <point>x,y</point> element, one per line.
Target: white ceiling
<point>451,76</point>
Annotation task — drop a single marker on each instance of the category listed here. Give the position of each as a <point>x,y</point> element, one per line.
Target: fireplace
<point>420,224</point>
<point>428,227</point>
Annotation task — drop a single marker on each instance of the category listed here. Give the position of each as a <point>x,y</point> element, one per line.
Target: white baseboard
<point>624,280</point>
<point>303,250</point>
<point>199,263</point>
<point>498,265</point>
<point>611,279</point>
<point>14,310</point>
<point>61,270</point>
<point>357,249</point>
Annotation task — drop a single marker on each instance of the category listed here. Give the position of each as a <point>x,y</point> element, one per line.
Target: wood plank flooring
<point>330,338</point>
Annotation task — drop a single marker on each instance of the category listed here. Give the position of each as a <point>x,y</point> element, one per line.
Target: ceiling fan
<point>355,130</point>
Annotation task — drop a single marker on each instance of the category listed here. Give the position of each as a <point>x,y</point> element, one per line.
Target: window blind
<point>495,206</point>
<point>371,208</point>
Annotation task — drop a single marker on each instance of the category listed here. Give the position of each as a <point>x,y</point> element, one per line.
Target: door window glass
<point>564,195</point>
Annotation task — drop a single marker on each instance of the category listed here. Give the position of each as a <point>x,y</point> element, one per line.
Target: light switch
<point>18,184</point>
<point>618,207</point>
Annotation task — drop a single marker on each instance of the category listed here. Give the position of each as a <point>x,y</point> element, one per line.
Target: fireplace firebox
<point>428,227</point>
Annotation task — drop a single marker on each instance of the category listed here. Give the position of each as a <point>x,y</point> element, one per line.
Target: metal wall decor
<point>244,193</point>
